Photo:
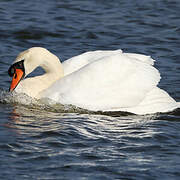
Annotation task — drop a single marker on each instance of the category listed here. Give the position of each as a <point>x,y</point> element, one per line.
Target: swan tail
<point>157,100</point>
<point>178,104</point>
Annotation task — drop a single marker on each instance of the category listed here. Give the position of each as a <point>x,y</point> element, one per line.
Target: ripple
<point>35,34</point>
<point>40,140</point>
<point>48,105</point>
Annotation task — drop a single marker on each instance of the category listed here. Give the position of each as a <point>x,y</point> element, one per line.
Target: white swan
<point>97,81</point>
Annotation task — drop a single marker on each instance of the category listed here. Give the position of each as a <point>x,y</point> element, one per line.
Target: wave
<point>43,104</point>
<point>51,106</point>
<point>47,104</point>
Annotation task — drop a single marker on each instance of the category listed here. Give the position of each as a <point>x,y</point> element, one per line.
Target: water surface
<point>47,143</point>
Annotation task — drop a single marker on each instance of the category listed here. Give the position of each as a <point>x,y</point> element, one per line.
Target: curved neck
<point>52,66</point>
<point>53,71</point>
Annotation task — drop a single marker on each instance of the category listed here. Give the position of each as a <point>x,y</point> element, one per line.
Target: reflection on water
<point>39,120</point>
<point>61,142</point>
<point>43,136</point>
<point>43,142</point>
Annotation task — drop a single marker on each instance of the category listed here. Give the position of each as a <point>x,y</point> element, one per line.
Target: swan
<point>95,80</point>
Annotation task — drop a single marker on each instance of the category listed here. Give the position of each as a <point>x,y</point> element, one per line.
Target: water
<point>49,143</point>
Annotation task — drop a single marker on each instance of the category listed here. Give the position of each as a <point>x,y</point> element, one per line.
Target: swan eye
<point>20,65</point>
<point>11,71</point>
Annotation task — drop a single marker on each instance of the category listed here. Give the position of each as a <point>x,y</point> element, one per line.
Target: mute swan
<point>97,81</point>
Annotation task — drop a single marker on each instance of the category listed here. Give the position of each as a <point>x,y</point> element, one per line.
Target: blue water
<point>47,143</point>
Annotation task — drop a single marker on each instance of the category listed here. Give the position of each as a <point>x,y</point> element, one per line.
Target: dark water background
<point>48,144</point>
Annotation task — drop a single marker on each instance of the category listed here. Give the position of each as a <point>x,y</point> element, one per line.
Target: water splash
<point>32,103</point>
<point>14,98</point>
<point>47,104</point>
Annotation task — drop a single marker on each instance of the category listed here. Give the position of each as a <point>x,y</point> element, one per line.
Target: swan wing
<point>77,62</point>
<point>105,81</point>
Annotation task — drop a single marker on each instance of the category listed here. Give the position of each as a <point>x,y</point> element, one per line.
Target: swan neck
<point>52,65</point>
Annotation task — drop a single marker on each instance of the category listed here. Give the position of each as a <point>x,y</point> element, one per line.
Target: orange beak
<point>18,75</point>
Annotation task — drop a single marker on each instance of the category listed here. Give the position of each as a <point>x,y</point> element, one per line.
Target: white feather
<point>100,81</point>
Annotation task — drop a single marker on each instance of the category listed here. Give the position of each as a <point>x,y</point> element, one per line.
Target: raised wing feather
<point>100,82</point>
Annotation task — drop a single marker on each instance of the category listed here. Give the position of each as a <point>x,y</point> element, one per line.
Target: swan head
<point>17,72</point>
<point>30,59</point>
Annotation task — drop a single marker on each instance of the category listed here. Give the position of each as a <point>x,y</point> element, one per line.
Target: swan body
<point>97,81</point>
